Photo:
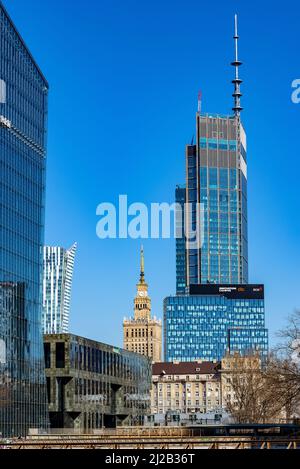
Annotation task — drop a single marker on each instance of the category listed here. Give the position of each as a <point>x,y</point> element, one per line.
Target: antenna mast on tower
<point>237,81</point>
<point>199,102</point>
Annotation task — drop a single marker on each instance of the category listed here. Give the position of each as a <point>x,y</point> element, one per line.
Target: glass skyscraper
<point>217,179</point>
<point>215,310</point>
<point>216,221</point>
<point>23,119</point>
<point>58,269</point>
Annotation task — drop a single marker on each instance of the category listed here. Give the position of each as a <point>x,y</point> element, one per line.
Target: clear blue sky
<point>124,79</point>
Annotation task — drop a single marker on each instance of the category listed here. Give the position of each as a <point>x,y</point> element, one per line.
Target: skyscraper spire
<point>237,81</point>
<point>199,101</point>
<point>142,275</point>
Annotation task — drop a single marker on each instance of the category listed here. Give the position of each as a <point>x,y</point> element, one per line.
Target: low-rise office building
<point>213,320</point>
<point>94,385</point>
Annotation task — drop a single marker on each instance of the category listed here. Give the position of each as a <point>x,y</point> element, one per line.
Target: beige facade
<point>245,391</point>
<point>185,387</point>
<point>232,367</point>
<point>142,333</point>
<point>198,387</point>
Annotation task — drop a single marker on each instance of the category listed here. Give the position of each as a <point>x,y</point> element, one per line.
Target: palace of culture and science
<point>142,333</point>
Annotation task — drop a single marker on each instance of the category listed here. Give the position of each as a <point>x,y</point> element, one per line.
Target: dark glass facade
<point>180,196</point>
<point>207,325</point>
<point>91,385</point>
<point>216,178</point>
<point>201,324</point>
<point>23,115</point>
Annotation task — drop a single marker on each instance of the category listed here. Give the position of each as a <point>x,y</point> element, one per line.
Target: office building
<point>213,320</point>
<point>93,385</point>
<point>217,179</point>
<point>216,245</point>
<point>23,135</point>
<point>58,269</point>
<point>143,333</point>
<point>215,310</point>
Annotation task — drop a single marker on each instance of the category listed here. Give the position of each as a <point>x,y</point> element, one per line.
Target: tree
<point>247,396</point>
<point>268,393</point>
<point>282,373</point>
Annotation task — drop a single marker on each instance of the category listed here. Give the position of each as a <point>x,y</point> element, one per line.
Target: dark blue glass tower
<point>180,197</point>
<point>216,192</point>
<point>217,181</point>
<point>215,310</point>
<point>23,116</point>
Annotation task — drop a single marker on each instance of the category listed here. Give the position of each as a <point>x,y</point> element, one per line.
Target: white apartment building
<point>58,266</point>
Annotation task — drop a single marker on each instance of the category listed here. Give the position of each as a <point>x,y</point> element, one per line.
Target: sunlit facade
<point>216,178</point>
<point>214,320</point>
<point>142,333</point>
<point>91,385</point>
<point>215,309</point>
<point>23,123</point>
<point>58,266</point>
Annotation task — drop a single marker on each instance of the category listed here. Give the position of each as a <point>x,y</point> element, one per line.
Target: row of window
<point>87,358</point>
<point>218,144</point>
<point>144,332</point>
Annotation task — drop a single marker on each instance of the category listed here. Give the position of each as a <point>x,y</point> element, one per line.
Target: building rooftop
<point>181,368</point>
<point>214,115</point>
<point>132,320</point>
<point>91,342</point>
<point>24,44</point>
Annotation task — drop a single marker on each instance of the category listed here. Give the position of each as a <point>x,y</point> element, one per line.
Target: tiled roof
<point>184,368</point>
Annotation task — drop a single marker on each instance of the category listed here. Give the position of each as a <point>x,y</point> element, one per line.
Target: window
<point>203,177</point>
<point>232,145</point>
<point>203,142</point>
<point>233,179</point>
<point>212,143</point>
<point>213,178</point>
<point>60,355</point>
<point>47,354</point>
<point>223,178</point>
<point>2,92</point>
<point>49,388</point>
<point>223,144</point>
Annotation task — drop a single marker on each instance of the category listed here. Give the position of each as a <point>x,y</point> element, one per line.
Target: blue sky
<point>124,79</point>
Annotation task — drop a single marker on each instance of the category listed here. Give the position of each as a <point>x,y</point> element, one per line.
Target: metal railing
<point>155,443</point>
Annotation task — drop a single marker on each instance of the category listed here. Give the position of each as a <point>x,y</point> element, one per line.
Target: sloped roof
<point>182,368</point>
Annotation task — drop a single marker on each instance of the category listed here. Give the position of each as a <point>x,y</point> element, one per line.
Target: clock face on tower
<point>142,293</point>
